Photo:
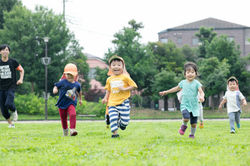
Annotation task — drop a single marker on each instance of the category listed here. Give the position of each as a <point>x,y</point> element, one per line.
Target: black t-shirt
<point>8,74</point>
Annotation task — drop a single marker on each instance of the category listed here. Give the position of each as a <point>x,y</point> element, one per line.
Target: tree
<point>24,32</point>
<point>213,74</point>
<point>136,56</point>
<point>6,5</point>
<point>205,35</point>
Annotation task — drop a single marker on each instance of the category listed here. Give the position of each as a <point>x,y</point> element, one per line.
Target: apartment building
<point>185,34</point>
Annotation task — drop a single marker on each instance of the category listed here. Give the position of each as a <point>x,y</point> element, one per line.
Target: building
<point>96,89</point>
<point>185,34</point>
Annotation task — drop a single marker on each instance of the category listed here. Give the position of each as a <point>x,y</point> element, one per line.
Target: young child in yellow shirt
<point>118,87</point>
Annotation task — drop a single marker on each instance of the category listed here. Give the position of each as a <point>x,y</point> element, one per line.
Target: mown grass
<point>143,143</point>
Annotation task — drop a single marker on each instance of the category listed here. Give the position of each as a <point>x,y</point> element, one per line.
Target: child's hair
<point>3,46</point>
<point>189,65</point>
<point>115,58</point>
<point>231,79</point>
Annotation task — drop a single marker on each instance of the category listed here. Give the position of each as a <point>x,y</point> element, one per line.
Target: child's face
<point>5,52</point>
<point>232,85</point>
<point>116,67</point>
<point>190,74</point>
<point>69,77</point>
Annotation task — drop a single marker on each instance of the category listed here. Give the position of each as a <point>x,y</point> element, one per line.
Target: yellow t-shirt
<point>117,96</point>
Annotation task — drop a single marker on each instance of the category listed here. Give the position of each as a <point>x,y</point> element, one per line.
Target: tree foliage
<point>136,56</point>
<point>24,32</point>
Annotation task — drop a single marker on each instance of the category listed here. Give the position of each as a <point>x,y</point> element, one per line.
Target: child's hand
<point>244,103</point>
<point>104,101</point>
<point>55,90</point>
<point>201,99</point>
<point>80,102</point>
<point>162,93</point>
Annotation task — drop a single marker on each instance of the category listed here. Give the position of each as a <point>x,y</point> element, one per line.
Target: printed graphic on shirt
<point>71,93</point>
<point>5,72</point>
<point>115,84</point>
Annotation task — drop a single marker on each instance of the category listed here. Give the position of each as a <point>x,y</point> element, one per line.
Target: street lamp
<point>46,61</point>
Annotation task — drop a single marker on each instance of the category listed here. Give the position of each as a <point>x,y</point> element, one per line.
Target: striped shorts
<point>119,113</point>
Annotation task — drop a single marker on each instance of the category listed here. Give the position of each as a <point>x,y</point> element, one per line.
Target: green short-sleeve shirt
<point>189,99</point>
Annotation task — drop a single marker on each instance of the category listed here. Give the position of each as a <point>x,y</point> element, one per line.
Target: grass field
<point>143,143</point>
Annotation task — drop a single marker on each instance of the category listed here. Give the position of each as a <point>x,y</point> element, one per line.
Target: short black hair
<point>192,65</point>
<point>3,46</point>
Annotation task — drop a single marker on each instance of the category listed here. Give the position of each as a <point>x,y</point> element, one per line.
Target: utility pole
<point>64,10</point>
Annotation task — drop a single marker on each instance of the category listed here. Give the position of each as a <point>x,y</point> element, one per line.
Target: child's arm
<point>201,96</point>
<point>127,88</point>
<point>105,99</point>
<point>80,97</point>
<point>55,90</point>
<point>244,102</point>
<point>21,70</point>
<point>172,90</point>
<point>222,103</point>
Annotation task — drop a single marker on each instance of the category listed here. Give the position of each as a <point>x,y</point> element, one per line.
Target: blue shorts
<point>189,115</point>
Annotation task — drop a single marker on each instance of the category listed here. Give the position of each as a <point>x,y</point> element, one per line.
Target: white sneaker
<point>65,132</point>
<point>11,126</point>
<point>73,132</point>
<point>15,116</point>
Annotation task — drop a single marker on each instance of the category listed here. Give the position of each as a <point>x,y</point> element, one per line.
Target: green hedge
<point>35,105</point>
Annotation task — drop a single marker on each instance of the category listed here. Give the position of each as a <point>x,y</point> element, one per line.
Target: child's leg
<point>186,116</point>
<point>113,117</point>
<point>237,119</point>
<point>231,121</point>
<point>72,116</point>
<point>124,110</point>
<point>63,115</point>
<point>193,122</point>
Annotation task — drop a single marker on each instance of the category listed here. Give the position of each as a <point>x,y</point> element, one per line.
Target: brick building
<point>185,34</point>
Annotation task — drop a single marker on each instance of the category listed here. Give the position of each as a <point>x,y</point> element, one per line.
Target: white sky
<point>94,22</point>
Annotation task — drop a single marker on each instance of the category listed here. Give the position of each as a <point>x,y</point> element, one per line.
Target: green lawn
<point>143,143</point>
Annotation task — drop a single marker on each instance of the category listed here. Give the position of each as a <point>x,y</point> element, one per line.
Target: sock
<point>193,130</point>
<point>185,123</point>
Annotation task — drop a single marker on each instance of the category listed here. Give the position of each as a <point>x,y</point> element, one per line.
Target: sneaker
<point>182,129</point>
<point>238,125</point>
<point>201,126</point>
<point>191,136</point>
<point>15,115</point>
<point>122,127</point>
<point>11,126</point>
<point>73,132</point>
<point>115,136</point>
<point>232,131</point>
<point>65,132</point>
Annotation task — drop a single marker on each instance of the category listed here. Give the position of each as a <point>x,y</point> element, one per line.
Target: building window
<point>164,40</point>
<point>247,42</point>
<point>195,41</point>
<point>230,38</point>
<point>179,40</point>
<point>92,73</point>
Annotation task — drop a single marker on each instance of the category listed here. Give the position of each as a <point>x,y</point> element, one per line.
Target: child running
<point>189,102</point>
<point>200,117</point>
<point>69,89</point>
<point>118,87</point>
<point>233,97</point>
<point>8,83</point>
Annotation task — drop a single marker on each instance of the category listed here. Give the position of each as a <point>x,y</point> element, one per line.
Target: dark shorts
<point>189,115</point>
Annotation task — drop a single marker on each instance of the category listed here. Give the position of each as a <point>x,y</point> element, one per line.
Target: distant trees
<point>24,32</point>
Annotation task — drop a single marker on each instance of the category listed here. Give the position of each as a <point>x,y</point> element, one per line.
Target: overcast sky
<point>94,22</point>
